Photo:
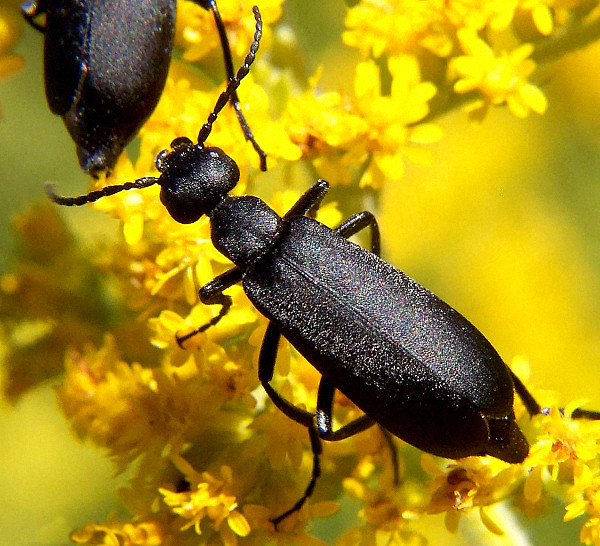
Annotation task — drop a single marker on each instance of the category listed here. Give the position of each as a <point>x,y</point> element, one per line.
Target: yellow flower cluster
<point>481,46</point>
<point>213,459</point>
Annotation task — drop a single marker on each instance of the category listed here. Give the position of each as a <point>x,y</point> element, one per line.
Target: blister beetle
<point>105,66</point>
<point>413,364</point>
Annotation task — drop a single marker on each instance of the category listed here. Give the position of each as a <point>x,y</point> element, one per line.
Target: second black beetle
<point>413,364</point>
<point>105,66</point>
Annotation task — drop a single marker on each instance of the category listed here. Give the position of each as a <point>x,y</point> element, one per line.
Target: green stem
<point>571,39</point>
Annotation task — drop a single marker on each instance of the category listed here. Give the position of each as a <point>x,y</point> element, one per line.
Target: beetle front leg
<point>212,294</point>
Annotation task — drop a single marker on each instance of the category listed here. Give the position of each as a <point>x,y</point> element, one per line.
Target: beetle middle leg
<point>212,294</point>
<point>310,201</point>
<point>358,222</point>
<point>317,424</point>
<point>346,229</point>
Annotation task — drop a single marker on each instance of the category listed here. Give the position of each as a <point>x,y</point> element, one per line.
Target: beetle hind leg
<point>317,449</point>
<point>533,408</point>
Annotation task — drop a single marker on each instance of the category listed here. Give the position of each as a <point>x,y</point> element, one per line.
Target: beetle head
<point>194,179</point>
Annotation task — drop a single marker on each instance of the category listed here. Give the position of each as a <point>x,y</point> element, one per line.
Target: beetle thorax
<point>244,229</point>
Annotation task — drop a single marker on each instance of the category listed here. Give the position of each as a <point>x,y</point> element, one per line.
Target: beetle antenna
<point>98,194</point>
<point>234,82</point>
<point>235,101</point>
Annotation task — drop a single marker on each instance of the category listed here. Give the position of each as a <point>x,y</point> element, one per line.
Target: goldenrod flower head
<point>372,128</point>
<point>476,482</point>
<point>501,79</point>
<point>395,27</point>
<point>196,26</point>
<point>207,499</point>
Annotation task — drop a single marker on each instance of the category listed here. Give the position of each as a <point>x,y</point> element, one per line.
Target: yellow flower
<point>386,520</point>
<point>393,130</point>
<point>475,482</point>
<point>565,441</point>
<point>196,26</point>
<point>373,130</point>
<point>207,498</point>
<point>478,14</point>
<point>396,27</point>
<point>118,533</point>
<point>500,79</point>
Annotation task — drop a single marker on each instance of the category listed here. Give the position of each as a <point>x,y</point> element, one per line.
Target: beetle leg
<point>318,424</point>
<point>360,221</point>
<point>324,413</point>
<point>309,201</point>
<point>266,366</point>
<point>533,408</point>
<point>212,294</point>
<point>323,418</point>
<point>389,438</point>
<point>211,5</point>
<point>317,449</point>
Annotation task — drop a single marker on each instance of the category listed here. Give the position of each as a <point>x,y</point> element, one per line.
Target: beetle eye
<point>160,160</point>
<point>180,142</point>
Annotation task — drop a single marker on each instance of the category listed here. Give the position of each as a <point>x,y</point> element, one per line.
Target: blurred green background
<point>505,226</point>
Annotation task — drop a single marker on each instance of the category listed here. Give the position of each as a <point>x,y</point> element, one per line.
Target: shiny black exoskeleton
<point>413,364</point>
<point>105,66</point>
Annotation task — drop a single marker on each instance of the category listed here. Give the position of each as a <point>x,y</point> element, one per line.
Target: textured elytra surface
<point>407,359</point>
<point>105,67</point>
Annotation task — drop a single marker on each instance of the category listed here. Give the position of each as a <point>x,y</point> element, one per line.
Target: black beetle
<point>413,364</point>
<point>105,66</point>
